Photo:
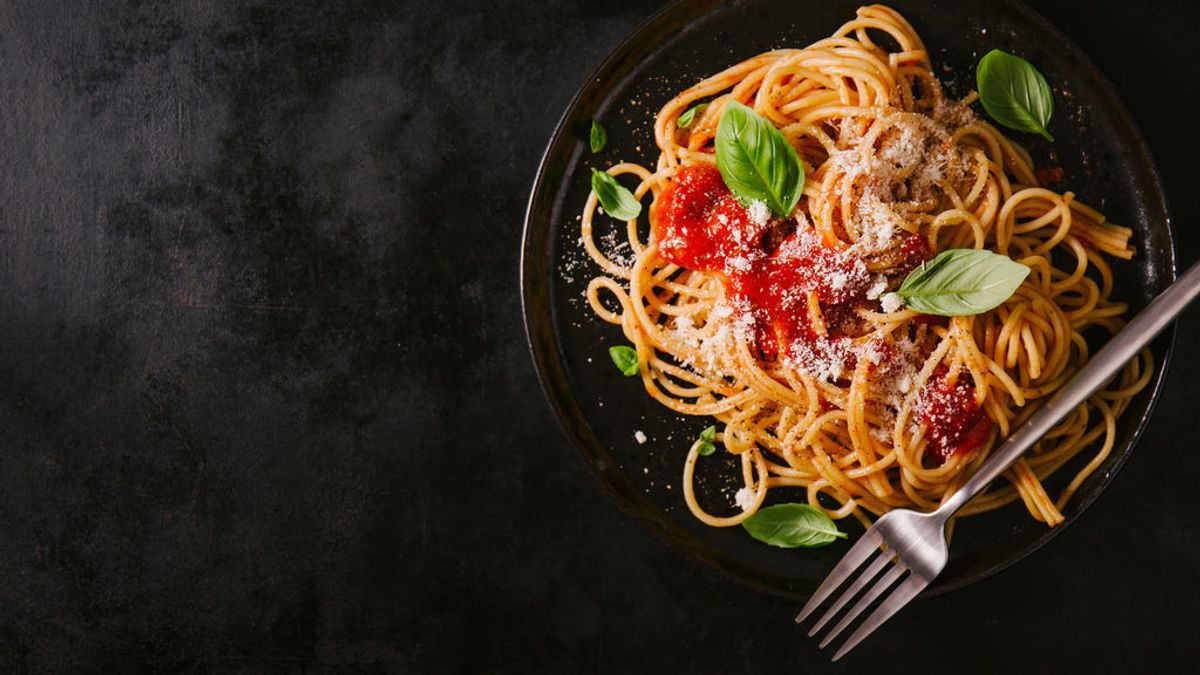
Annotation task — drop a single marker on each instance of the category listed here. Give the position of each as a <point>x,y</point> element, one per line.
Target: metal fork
<point>914,548</point>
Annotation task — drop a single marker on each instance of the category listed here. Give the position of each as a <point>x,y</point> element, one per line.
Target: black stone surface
<point>266,404</point>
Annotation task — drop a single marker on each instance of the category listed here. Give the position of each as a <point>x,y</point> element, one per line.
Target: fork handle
<point>1092,376</point>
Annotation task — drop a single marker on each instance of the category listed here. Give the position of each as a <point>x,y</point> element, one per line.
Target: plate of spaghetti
<point>787,268</point>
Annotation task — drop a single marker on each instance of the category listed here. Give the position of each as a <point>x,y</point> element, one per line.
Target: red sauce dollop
<point>954,421</point>
<point>700,225</point>
<point>913,250</point>
<point>777,290</point>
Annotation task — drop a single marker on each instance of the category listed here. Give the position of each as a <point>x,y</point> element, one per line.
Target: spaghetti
<point>782,329</point>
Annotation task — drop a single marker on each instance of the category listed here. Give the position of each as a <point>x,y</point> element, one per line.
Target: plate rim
<point>626,500</point>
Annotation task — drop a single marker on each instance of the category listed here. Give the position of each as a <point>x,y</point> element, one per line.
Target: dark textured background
<point>266,404</point>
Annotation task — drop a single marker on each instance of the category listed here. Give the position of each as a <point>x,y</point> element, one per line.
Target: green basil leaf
<point>617,201</point>
<point>792,526</point>
<point>625,358</point>
<point>756,161</point>
<point>962,282</point>
<point>686,119</point>
<point>706,441</point>
<point>1014,93</point>
<point>598,138</point>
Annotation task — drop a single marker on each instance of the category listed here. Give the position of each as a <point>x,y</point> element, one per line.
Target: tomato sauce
<point>913,251</point>
<point>700,225</point>
<point>954,421</point>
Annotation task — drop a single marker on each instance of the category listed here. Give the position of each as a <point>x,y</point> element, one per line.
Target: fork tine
<point>905,592</point>
<point>856,556</point>
<point>852,590</point>
<point>885,582</point>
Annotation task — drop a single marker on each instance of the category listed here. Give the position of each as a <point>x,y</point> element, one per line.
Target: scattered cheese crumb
<point>641,437</point>
<point>873,351</point>
<point>740,263</point>
<point>877,290</point>
<point>744,498</point>
<point>823,358</point>
<point>759,212</point>
<point>891,302</point>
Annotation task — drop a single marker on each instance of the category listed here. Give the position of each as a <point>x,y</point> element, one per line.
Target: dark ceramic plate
<point>1105,161</point>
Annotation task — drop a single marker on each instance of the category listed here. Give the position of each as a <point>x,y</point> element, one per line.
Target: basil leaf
<point>792,526</point>
<point>625,358</point>
<point>598,138</point>
<point>616,200</point>
<point>706,441</point>
<point>1014,93</point>
<point>962,282</point>
<point>686,119</point>
<point>756,161</point>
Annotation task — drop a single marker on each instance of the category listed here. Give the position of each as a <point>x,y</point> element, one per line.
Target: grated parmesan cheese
<point>873,351</point>
<point>711,341</point>
<point>639,437</point>
<point>740,263</point>
<point>744,498</point>
<point>822,358</point>
<point>907,163</point>
<point>891,302</point>
<point>901,371</point>
<point>759,212</point>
